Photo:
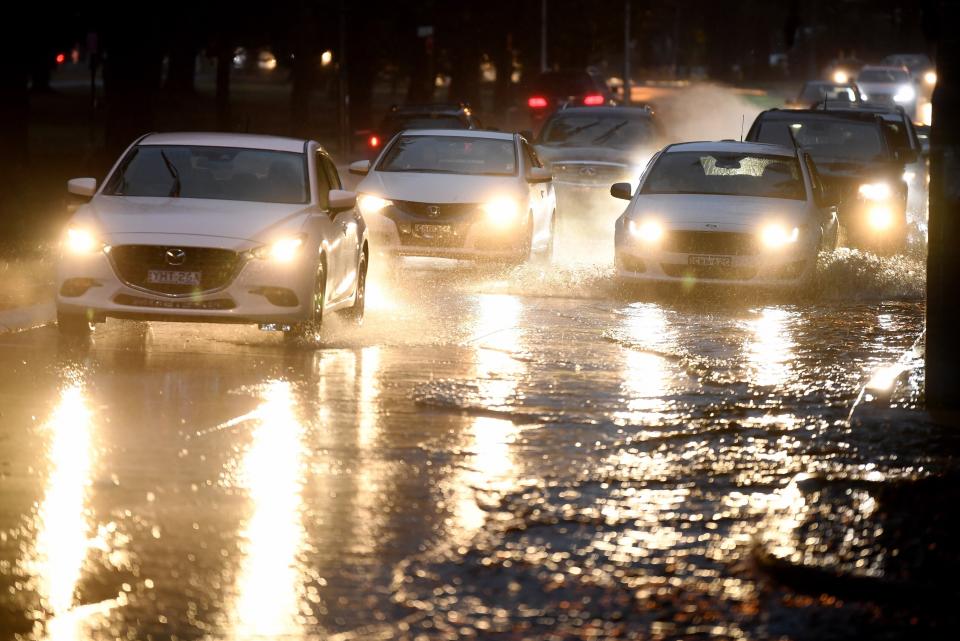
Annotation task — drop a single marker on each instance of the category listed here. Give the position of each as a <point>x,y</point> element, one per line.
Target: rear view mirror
<point>360,167</point>
<point>623,191</point>
<point>85,187</point>
<point>539,175</point>
<point>340,199</point>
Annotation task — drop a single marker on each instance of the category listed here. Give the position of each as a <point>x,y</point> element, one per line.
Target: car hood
<point>438,188</point>
<point>128,218</point>
<point>692,211</point>
<point>556,153</point>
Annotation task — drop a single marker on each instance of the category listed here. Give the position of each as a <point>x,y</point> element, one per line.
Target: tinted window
<point>883,75</point>
<point>211,172</point>
<point>728,174</point>
<point>827,138</point>
<point>586,130</point>
<point>451,155</point>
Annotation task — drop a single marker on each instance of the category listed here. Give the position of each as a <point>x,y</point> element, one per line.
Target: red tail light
<point>537,102</point>
<point>593,100</point>
<point>374,141</point>
<point>61,58</point>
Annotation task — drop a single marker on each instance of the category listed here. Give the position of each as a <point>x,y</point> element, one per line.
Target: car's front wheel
<point>354,314</point>
<point>73,325</point>
<point>309,329</point>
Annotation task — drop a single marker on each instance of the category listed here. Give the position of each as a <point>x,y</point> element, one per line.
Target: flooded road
<point>509,454</point>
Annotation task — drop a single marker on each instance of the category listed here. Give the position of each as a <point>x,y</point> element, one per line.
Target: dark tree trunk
<point>303,75</point>
<point>465,58</point>
<point>224,51</point>
<point>14,111</point>
<point>181,66</point>
<point>131,73</point>
<point>503,62</point>
<point>422,71</point>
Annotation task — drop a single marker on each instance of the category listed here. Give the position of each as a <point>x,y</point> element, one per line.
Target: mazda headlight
<point>81,241</point>
<point>905,93</point>
<point>880,217</point>
<point>775,235</point>
<point>370,204</point>
<point>879,191</point>
<point>647,231</point>
<point>501,211</point>
<point>282,250</point>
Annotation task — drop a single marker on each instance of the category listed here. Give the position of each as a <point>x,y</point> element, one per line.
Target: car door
<point>826,210</point>
<point>331,231</point>
<point>346,222</point>
<point>539,202</point>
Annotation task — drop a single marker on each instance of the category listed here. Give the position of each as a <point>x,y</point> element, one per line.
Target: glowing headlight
<point>841,77</point>
<point>908,176</point>
<point>649,231</point>
<point>281,251</point>
<point>875,191</point>
<point>930,78</point>
<point>501,211</point>
<point>905,93</point>
<point>880,217</point>
<point>776,235</point>
<point>80,241</point>
<point>370,204</point>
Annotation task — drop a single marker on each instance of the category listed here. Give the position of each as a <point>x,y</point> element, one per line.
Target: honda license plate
<point>432,231</point>
<point>165,277</point>
<point>710,261</point>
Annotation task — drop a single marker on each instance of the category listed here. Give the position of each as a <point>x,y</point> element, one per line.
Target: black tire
<point>354,314</point>
<point>73,325</point>
<point>309,330</point>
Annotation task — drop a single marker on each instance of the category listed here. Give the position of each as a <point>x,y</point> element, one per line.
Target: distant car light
<point>80,241</point>
<point>326,58</point>
<point>930,78</point>
<point>501,211</point>
<point>875,191</point>
<point>775,235</point>
<point>374,141</point>
<point>370,204</point>
<point>61,58</point>
<point>537,102</point>
<point>648,231</point>
<point>841,77</point>
<point>593,100</point>
<point>905,93</point>
<point>880,217</point>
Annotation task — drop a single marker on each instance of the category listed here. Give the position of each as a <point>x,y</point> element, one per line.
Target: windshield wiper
<point>606,135</point>
<point>175,188</point>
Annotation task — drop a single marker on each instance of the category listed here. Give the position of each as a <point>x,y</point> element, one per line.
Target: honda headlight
<point>648,231</point>
<point>880,217</point>
<point>879,191</point>
<point>905,93</point>
<point>775,235</point>
<point>370,204</point>
<point>501,211</point>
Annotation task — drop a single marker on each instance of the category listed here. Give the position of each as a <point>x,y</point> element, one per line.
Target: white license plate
<point>710,261</point>
<point>164,277</point>
<point>431,231</point>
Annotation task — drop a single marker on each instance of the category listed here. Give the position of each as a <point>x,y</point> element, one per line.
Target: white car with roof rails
<point>727,213</point>
<point>458,194</point>
<point>211,227</point>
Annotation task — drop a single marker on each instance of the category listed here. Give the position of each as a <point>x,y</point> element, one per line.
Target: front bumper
<point>260,293</point>
<point>465,238</point>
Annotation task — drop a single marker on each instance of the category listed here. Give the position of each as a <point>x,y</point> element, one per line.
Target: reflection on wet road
<point>496,454</point>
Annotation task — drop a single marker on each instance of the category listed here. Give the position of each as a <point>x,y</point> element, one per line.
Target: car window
<point>726,174</point>
<point>826,138</point>
<point>618,131</point>
<point>451,155</point>
<point>883,75</point>
<point>211,172</point>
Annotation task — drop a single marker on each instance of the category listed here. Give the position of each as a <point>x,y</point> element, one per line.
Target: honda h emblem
<point>588,171</point>
<point>711,226</point>
<point>433,210</point>
<point>175,256</point>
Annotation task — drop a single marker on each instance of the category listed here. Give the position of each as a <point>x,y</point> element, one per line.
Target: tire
<point>73,325</point>
<point>354,314</point>
<point>309,330</point>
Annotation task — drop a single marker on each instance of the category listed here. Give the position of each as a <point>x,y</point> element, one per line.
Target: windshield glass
<point>817,92</point>
<point>828,138</point>
<point>727,174</point>
<point>451,155</point>
<point>883,75</point>
<point>585,130</point>
<point>211,172</point>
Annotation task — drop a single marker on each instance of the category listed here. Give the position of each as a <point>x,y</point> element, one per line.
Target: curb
<point>21,319</point>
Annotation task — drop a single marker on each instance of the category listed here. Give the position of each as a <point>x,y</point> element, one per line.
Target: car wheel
<point>73,325</point>
<point>309,329</point>
<point>355,313</point>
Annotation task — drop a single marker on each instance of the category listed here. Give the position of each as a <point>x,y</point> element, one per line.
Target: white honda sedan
<point>458,194</point>
<point>214,228</point>
<point>725,212</point>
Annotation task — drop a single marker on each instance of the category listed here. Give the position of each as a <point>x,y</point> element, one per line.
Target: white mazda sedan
<point>725,212</point>
<point>212,227</point>
<point>458,194</point>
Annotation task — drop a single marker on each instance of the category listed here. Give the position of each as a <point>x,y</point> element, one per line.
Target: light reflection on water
<point>269,587</point>
<point>645,376</point>
<point>770,346</point>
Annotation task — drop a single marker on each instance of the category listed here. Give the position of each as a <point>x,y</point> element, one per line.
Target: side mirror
<point>340,200</point>
<point>539,175</point>
<point>85,187</point>
<point>623,191</point>
<point>360,167</point>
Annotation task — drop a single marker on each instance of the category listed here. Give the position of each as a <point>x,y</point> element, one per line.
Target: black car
<point>857,162</point>
<point>419,116</point>
<point>552,90</point>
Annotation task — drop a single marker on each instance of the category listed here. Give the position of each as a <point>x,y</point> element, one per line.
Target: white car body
<point>452,204</point>
<point>903,92</point>
<point>716,238</point>
<point>137,238</point>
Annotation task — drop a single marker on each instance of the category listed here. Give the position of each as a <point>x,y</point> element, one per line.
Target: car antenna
<point>743,120</point>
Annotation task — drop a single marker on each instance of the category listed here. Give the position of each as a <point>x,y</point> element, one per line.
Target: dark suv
<point>419,116</point>
<point>553,89</point>
<point>858,162</point>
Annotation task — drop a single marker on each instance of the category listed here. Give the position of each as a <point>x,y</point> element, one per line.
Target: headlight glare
<point>501,211</point>
<point>776,235</point>
<point>80,241</point>
<point>841,77</point>
<point>930,78</point>
<point>370,204</point>
<point>283,250</point>
<point>905,93</point>
<point>880,217</point>
<point>648,231</point>
<point>875,191</point>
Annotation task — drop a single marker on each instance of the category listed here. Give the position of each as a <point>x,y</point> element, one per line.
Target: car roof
<point>884,111</point>
<point>643,112</point>
<point>434,108</point>
<point>242,141</point>
<point>850,114</point>
<point>734,146</point>
<point>460,133</point>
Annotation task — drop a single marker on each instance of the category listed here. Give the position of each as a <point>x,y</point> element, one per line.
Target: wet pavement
<point>504,454</point>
